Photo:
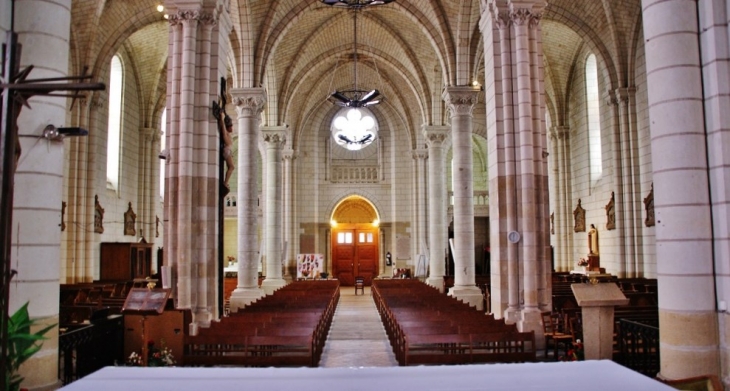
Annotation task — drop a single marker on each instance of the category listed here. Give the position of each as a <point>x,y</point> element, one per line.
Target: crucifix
<point>16,90</point>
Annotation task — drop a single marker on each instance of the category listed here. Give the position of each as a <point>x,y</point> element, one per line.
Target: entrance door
<point>354,253</point>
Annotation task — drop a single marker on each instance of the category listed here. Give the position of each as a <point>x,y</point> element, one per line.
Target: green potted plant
<point>22,345</point>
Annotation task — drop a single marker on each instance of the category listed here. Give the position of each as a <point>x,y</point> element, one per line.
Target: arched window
<point>594,119</point>
<point>114,142</point>
<point>163,162</point>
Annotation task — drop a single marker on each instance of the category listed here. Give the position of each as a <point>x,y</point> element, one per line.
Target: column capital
<point>460,100</point>
<point>436,135</point>
<point>184,16</point>
<point>560,132</point>
<point>249,102</point>
<point>289,154</point>
<point>274,136</point>
<point>150,134</point>
<point>420,154</point>
<point>528,12</point>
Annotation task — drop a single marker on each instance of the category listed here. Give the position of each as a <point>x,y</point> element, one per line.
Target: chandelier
<point>355,3</point>
<point>355,128</point>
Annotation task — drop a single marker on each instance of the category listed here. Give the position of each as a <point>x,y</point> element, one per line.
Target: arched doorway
<point>355,241</point>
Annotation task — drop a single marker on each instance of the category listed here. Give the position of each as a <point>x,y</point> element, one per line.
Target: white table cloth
<point>577,376</point>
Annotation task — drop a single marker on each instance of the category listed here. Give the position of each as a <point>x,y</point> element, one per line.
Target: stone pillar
<point>249,105</point>
<point>274,139</point>
<point>689,324</point>
<point>518,202</point>
<point>420,155</point>
<point>36,237</point>
<point>563,198</point>
<point>290,257</point>
<point>461,101</point>
<point>437,138</point>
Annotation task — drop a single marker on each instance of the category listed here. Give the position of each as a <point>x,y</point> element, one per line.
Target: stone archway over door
<point>355,240</point>
<point>355,253</point>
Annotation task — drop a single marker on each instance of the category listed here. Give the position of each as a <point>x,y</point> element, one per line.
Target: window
<point>163,162</point>
<point>594,119</point>
<point>113,144</point>
<point>354,128</point>
<point>344,237</point>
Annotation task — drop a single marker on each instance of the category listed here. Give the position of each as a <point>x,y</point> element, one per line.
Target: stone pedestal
<point>597,302</point>
<point>470,295</point>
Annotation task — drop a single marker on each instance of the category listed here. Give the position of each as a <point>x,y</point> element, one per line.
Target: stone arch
<point>360,194</point>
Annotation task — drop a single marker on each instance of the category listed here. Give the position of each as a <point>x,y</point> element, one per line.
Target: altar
<point>599,375</point>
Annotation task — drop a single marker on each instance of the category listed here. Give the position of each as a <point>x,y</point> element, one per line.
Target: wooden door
<point>355,253</point>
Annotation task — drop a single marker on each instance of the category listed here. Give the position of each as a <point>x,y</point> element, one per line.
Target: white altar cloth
<point>580,375</point>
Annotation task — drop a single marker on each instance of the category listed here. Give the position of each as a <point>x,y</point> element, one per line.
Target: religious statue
<point>98,216</point>
<point>129,220</point>
<point>649,206</point>
<point>225,129</point>
<point>552,223</point>
<point>579,215</point>
<point>593,240</point>
<point>611,213</point>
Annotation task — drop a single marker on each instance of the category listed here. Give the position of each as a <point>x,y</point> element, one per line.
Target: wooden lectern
<point>144,301</point>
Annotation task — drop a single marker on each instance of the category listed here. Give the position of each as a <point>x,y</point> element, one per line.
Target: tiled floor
<point>357,337</point>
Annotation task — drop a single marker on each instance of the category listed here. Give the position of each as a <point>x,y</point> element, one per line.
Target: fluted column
<point>420,155</point>
<point>249,105</point>
<point>274,139</point>
<point>290,257</point>
<point>460,102</point>
<point>437,138</point>
<point>688,321</point>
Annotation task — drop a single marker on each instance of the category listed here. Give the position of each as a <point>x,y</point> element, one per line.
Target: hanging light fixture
<point>355,128</point>
<point>355,3</point>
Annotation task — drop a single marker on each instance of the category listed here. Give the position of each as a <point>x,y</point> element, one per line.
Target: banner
<point>310,265</point>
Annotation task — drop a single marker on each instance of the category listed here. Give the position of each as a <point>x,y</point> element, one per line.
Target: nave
<point>357,337</point>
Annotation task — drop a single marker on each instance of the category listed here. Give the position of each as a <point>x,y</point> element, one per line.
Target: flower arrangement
<point>156,357</point>
<point>575,353</point>
<point>230,258</point>
<point>583,262</point>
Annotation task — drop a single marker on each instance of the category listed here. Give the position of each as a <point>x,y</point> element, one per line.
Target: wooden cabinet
<point>125,261</point>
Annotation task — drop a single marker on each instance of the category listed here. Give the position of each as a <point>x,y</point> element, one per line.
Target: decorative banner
<point>310,265</point>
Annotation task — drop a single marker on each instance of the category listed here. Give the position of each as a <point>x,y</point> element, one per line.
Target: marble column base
<point>470,295</point>
<point>243,297</point>
<point>436,282</point>
<point>270,285</point>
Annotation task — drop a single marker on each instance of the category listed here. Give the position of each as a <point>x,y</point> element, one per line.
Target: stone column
<point>688,321</point>
<point>249,105</point>
<point>460,102</point>
<point>627,206</point>
<point>437,138</point>
<point>274,139</point>
<point>561,179</point>
<point>420,155</point>
<point>36,237</point>
<point>518,203</point>
<point>290,257</point>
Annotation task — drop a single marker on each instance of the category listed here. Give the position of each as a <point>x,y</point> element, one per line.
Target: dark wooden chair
<point>359,285</point>
<point>552,334</point>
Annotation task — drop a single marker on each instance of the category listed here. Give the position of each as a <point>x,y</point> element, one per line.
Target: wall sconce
<point>53,133</point>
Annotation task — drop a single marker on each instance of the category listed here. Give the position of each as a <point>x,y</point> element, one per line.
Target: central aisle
<point>357,337</point>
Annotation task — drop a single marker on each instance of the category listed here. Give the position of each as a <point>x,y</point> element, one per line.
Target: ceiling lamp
<point>355,97</point>
<point>355,3</point>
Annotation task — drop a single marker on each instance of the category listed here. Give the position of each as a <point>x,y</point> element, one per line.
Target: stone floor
<point>357,337</point>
